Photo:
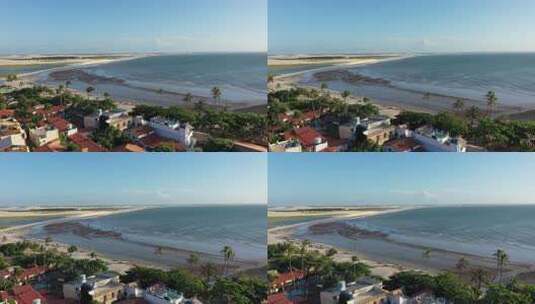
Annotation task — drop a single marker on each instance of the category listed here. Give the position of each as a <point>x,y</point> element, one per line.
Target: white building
<point>159,294</point>
<point>174,130</point>
<point>44,135</point>
<point>377,129</point>
<point>118,119</point>
<point>105,288</point>
<point>291,145</point>
<point>433,140</point>
<point>12,136</point>
<point>364,291</point>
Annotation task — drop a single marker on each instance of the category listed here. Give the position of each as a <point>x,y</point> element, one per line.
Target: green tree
<point>228,256</point>
<point>216,94</point>
<point>72,249</point>
<point>492,101</point>
<point>346,94</point>
<point>188,98</point>
<point>459,105</point>
<point>193,260</point>
<point>501,260</point>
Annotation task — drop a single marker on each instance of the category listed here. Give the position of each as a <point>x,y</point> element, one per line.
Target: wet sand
<point>381,92</point>
<point>385,255</point>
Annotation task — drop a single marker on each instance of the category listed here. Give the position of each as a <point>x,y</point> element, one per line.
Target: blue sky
<point>405,179</point>
<point>351,26</point>
<point>65,26</point>
<point>183,178</point>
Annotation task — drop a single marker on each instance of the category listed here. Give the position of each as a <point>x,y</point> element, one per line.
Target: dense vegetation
<point>211,284</point>
<point>220,291</point>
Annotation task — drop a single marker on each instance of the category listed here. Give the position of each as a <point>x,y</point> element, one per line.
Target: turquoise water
<point>511,76</point>
<point>476,230</point>
<point>201,229</point>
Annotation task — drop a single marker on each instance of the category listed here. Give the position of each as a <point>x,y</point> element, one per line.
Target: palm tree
<point>188,98</point>
<point>61,88</point>
<point>216,94</point>
<point>208,270</point>
<point>501,260</point>
<point>355,259</point>
<point>492,100</point>
<point>93,255</point>
<point>346,94</point>
<point>459,105</point>
<point>106,95</point>
<point>323,87</point>
<point>270,78</point>
<point>462,264</point>
<point>479,277</point>
<point>193,259</point>
<point>228,256</point>
<point>473,113</point>
<point>89,90</point>
<point>303,251</point>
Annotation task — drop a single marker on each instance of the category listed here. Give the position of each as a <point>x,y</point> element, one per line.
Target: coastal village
<point>41,273</point>
<point>42,119</point>
<point>305,119</point>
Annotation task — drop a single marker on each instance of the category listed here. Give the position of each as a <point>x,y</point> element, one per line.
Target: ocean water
<point>511,76</point>
<point>200,229</point>
<point>240,76</point>
<point>474,230</point>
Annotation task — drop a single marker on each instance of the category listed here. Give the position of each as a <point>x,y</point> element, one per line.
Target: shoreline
<point>119,263</point>
<point>171,98</point>
<point>392,96</point>
<point>384,255</point>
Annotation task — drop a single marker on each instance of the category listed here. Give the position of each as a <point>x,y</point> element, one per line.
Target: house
<point>6,113</point>
<point>364,291</point>
<point>278,298</point>
<point>403,144</point>
<point>160,294</point>
<point>286,279</point>
<point>12,136</point>
<point>63,126</point>
<point>86,144</point>
<point>136,134</point>
<point>105,288</point>
<point>291,145</point>
<point>31,273</point>
<point>118,119</point>
<point>433,140</point>
<point>242,146</point>
<point>172,129</point>
<point>128,147</point>
<point>24,294</point>
<point>310,139</point>
<point>377,129</point>
<point>5,274</point>
<point>44,135</point>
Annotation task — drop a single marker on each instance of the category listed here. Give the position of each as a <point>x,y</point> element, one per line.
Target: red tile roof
<point>29,273</point>
<point>6,113</point>
<point>59,123</point>
<point>285,278</point>
<point>52,111</point>
<point>25,294</point>
<point>128,148</point>
<point>307,136</point>
<point>4,295</point>
<point>278,298</point>
<point>86,144</point>
<point>44,148</point>
<point>152,141</point>
<point>406,144</point>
